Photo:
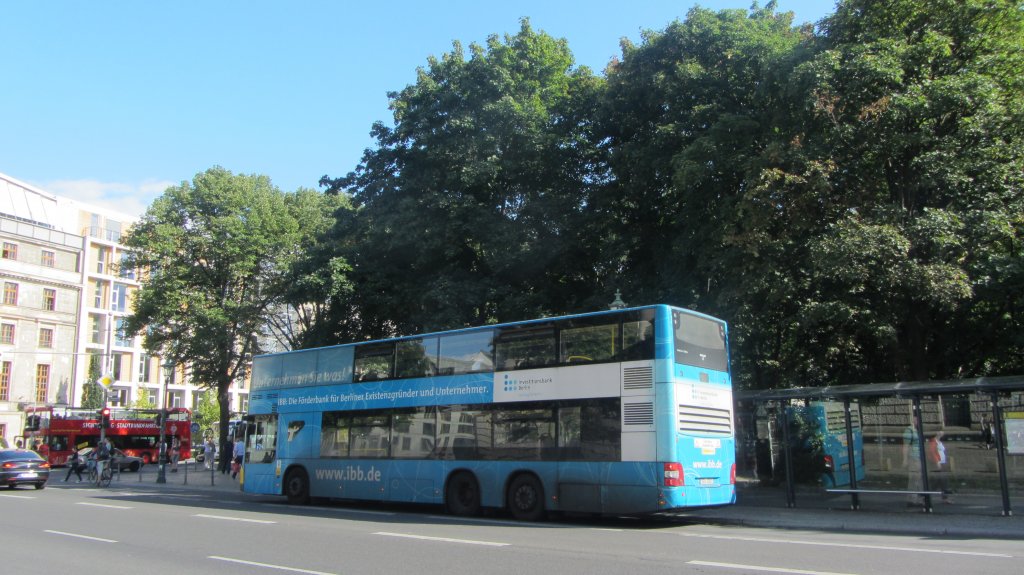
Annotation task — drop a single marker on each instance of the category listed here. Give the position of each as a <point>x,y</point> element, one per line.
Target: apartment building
<point>65,298</point>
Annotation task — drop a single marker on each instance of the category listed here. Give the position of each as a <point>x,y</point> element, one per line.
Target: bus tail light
<point>830,464</point>
<point>732,474</point>
<point>674,475</point>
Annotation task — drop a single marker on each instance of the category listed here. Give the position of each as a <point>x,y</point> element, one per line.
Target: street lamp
<point>161,476</point>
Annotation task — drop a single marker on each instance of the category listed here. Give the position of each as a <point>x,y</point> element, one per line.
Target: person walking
<point>987,437</point>
<point>175,453</point>
<point>209,453</point>
<point>937,455</point>
<point>236,457</point>
<point>74,466</point>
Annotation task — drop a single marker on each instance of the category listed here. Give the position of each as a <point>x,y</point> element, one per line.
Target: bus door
<point>260,469</point>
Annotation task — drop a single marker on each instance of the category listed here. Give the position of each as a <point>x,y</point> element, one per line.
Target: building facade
<point>65,300</point>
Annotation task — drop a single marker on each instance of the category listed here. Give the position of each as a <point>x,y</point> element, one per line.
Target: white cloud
<point>131,198</point>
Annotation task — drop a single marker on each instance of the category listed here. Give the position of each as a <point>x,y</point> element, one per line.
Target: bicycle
<point>106,476</point>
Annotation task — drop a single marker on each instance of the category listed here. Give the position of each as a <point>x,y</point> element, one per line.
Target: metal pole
<point>790,491</point>
<point>997,417</point>
<point>851,454</point>
<point>919,427</point>
<point>161,475</point>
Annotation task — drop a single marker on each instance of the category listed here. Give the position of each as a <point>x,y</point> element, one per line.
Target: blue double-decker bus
<point>616,412</point>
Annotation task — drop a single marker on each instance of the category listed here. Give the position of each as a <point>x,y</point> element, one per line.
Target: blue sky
<point>111,102</point>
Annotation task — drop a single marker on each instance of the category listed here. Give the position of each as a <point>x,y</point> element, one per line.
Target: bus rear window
<point>699,342</point>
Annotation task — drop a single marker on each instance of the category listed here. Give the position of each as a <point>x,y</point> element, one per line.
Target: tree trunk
<point>224,401</point>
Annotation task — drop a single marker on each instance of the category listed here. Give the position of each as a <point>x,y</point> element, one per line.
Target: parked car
<point>20,466</point>
<point>121,459</point>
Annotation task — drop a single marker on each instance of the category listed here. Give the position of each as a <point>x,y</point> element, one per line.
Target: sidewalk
<point>972,515</point>
<point>190,475</point>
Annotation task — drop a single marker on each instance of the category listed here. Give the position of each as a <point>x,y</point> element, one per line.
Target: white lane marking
<point>844,545</point>
<point>762,568</point>
<point>100,539</point>
<point>443,539</point>
<point>458,519</point>
<point>104,505</point>
<point>17,496</point>
<point>334,509</point>
<point>226,518</point>
<point>268,565</point>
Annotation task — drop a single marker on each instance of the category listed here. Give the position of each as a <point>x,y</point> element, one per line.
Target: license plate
<point>28,475</point>
<point>706,482</point>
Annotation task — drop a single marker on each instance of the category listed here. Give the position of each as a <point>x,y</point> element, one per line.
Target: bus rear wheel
<point>526,498</point>
<point>296,487</point>
<point>462,496</point>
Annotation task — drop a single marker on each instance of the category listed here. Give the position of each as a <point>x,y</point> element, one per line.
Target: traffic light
<point>105,418</point>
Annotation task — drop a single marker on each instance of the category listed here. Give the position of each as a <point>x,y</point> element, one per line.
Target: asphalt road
<point>136,528</point>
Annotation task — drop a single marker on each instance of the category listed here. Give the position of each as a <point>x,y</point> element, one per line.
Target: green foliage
<point>92,393</point>
<point>806,446</point>
<point>207,412</point>
<point>469,209</point>
<point>849,197</point>
<point>143,402</point>
<point>215,254</point>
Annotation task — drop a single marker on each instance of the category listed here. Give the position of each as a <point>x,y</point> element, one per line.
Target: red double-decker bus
<point>54,432</point>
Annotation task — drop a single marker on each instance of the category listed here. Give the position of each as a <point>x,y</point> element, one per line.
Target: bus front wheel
<point>526,498</point>
<point>462,497</point>
<point>296,487</point>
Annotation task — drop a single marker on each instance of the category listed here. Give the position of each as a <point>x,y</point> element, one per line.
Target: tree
<point>214,254</point>
<point>92,393</point>
<point>707,204</point>
<point>317,279</point>
<point>467,208</point>
<point>207,412</point>
<point>919,105</point>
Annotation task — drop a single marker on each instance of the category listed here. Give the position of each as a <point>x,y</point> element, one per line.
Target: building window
<point>175,398</point>
<point>117,366</point>
<point>46,337</point>
<point>145,370</point>
<point>48,258</point>
<point>119,298</point>
<point>123,269</point>
<point>10,251</point>
<point>113,231</point>
<point>42,382</point>
<point>7,333</point>
<point>97,300</point>
<point>118,397</point>
<point>121,338</point>
<point>101,259</point>
<point>10,293</point>
<point>49,299</point>
<point>5,381</point>
<point>96,329</point>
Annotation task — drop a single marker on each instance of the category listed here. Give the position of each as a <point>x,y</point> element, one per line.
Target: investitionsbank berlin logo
<point>517,385</point>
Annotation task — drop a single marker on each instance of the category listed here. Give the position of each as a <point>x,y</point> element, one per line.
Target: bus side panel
<point>260,478</point>
<point>608,487</point>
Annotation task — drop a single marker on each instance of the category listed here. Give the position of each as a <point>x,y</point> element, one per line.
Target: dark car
<point>18,466</point>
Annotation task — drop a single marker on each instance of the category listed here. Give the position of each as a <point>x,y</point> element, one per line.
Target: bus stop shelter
<point>982,420</point>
